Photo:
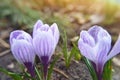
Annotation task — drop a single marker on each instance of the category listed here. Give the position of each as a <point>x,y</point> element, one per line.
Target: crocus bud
<point>45,39</point>
<point>22,49</point>
<point>95,44</point>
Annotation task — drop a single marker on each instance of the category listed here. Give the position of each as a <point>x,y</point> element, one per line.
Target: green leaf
<point>50,70</point>
<point>38,74</point>
<point>90,68</point>
<point>70,56</point>
<point>64,48</point>
<point>77,54</point>
<point>107,72</point>
<point>11,74</point>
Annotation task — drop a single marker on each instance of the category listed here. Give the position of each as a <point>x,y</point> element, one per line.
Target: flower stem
<point>39,77</point>
<point>45,71</point>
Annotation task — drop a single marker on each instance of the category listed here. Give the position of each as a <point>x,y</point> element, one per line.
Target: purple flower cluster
<point>95,44</point>
<point>43,43</point>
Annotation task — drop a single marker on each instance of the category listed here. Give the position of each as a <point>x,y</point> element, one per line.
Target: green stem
<point>39,77</point>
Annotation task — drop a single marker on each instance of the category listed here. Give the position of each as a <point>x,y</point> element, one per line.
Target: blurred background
<point>70,15</point>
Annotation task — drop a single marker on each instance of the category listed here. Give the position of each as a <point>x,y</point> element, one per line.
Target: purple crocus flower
<point>45,39</point>
<point>95,44</point>
<point>22,49</point>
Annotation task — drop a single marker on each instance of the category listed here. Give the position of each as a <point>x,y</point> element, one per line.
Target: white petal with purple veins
<point>115,50</point>
<point>86,50</point>
<point>23,51</point>
<point>37,25</point>
<point>55,32</point>
<point>87,38</point>
<point>44,44</point>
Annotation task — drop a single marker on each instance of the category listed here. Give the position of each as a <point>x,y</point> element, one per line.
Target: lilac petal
<point>44,44</point>
<point>102,48</point>
<point>115,50</point>
<point>93,31</point>
<point>25,36</point>
<point>14,34</point>
<point>23,51</point>
<point>87,38</point>
<point>30,67</point>
<point>55,32</point>
<point>44,27</point>
<point>37,25</point>
<point>18,35</point>
<point>104,34</point>
<point>86,50</point>
<point>104,44</point>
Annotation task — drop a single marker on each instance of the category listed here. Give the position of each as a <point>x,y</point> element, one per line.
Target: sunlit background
<point>66,13</point>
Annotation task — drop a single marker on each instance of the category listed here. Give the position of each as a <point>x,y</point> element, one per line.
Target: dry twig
<point>5,44</point>
<point>61,72</point>
<point>4,52</point>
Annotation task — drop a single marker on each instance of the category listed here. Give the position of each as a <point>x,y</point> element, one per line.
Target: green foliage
<point>17,14</point>
<point>107,72</point>
<point>76,52</point>
<point>22,15</point>
<point>50,70</point>
<point>11,74</point>
<point>90,68</point>
<point>68,55</point>
<point>38,74</point>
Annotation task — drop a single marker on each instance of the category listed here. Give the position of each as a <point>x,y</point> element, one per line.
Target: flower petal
<point>115,50</point>
<point>55,32</point>
<point>86,50</point>
<point>44,27</point>
<point>44,44</point>
<point>102,48</point>
<point>23,51</point>
<point>87,38</point>
<point>104,44</point>
<point>101,51</point>
<point>18,35</point>
<point>93,31</point>
<point>37,25</point>
<point>14,34</point>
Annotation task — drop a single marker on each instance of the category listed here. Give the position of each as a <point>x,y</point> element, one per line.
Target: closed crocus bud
<point>45,39</point>
<point>22,49</point>
<point>95,44</point>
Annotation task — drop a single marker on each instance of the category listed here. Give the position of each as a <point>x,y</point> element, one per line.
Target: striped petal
<point>103,45</point>
<point>86,50</point>
<point>55,32</point>
<point>115,50</point>
<point>44,44</point>
<point>19,35</point>
<point>37,25</point>
<point>87,38</point>
<point>23,51</point>
<point>93,31</point>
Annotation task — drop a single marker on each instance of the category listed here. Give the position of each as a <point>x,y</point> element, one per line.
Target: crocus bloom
<point>22,49</point>
<point>95,44</point>
<point>45,39</point>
